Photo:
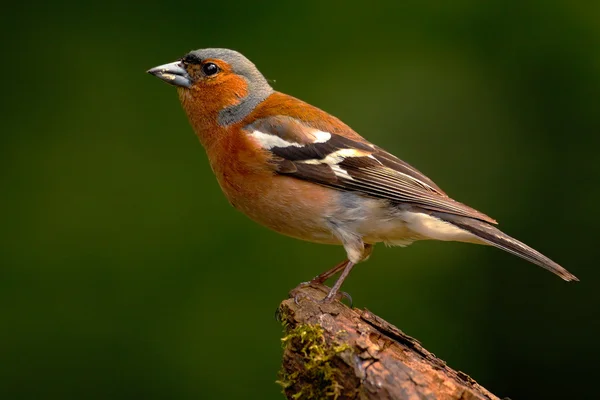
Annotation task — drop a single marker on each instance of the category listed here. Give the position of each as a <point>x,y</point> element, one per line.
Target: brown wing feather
<point>391,161</point>
<point>347,164</point>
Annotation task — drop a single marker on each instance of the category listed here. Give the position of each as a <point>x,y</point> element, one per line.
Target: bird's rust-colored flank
<point>304,173</point>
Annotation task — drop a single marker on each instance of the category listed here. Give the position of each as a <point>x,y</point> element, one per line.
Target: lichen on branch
<point>320,377</point>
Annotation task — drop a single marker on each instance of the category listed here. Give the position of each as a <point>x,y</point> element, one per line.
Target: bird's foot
<point>330,297</point>
<point>340,296</point>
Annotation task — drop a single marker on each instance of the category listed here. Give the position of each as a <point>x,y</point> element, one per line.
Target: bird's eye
<point>210,69</point>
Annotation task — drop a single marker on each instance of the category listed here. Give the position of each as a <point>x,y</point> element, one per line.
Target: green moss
<point>319,378</point>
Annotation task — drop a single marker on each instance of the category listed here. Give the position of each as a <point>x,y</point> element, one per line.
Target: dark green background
<point>126,274</point>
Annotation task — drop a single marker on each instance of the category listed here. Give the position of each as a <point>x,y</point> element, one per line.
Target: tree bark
<point>334,352</point>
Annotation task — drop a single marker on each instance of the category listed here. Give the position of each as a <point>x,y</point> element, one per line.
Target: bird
<point>304,173</point>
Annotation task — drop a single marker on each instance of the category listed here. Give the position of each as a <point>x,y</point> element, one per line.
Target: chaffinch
<point>304,173</point>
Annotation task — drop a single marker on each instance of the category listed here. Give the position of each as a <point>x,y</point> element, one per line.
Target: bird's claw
<point>298,296</point>
<point>347,296</point>
<point>278,315</point>
<point>340,296</point>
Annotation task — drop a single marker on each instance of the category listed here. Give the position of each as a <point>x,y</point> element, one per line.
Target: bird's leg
<point>328,274</point>
<point>338,284</point>
<point>321,278</point>
<point>357,250</point>
<point>356,245</point>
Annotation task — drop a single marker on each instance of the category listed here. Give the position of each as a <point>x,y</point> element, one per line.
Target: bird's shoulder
<point>282,105</point>
<point>307,143</point>
<point>308,132</point>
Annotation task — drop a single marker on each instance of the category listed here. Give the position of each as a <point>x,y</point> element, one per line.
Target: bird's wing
<point>333,160</point>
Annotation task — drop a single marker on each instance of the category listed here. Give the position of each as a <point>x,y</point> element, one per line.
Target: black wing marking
<point>336,161</point>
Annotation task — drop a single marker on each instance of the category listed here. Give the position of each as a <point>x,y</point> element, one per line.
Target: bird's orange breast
<point>289,206</point>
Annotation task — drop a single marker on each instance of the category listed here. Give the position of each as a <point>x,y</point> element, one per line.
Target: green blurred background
<point>126,274</point>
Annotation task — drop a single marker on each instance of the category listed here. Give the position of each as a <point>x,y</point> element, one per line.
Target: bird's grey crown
<point>258,87</point>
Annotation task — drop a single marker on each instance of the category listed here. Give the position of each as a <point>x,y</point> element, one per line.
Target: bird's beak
<point>172,73</point>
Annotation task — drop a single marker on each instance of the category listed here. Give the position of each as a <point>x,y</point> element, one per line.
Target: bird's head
<point>215,85</point>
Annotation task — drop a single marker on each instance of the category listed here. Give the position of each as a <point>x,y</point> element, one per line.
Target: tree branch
<point>334,352</point>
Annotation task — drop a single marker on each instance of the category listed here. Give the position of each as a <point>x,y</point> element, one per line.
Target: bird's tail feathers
<point>495,237</point>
